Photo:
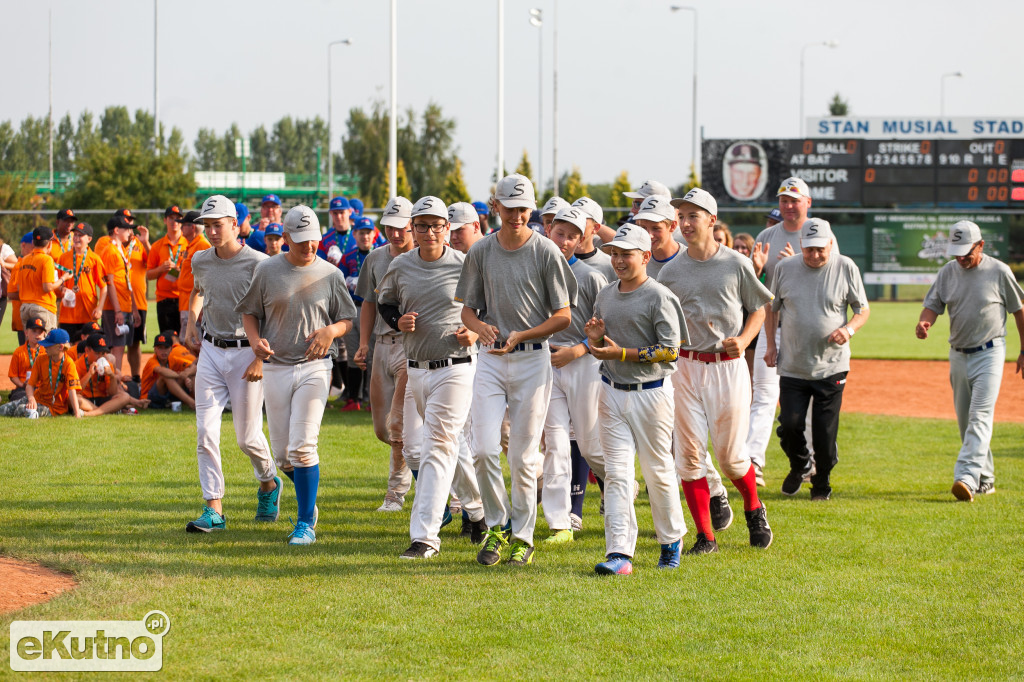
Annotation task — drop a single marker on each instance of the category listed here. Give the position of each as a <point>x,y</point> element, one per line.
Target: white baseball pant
<point>521,381</point>
<point>387,406</point>
<point>296,396</point>
<point>220,378</point>
<point>638,422</point>
<point>464,485</point>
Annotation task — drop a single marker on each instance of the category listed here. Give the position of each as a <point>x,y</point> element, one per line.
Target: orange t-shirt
<point>58,248</point>
<point>89,276</point>
<point>187,279</point>
<point>96,386</point>
<point>114,257</point>
<point>22,360</point>
<point>101,244</point>
<point>53,380</point>
<point>12,294</point>
<point>72,352</point>
<point>167,283</point>
<point>179,359</point>
<point>37,268</point>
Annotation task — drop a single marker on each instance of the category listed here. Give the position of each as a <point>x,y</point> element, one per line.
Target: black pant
<point>167,315</point>
<point>794,397</point>
<point>74,331</point>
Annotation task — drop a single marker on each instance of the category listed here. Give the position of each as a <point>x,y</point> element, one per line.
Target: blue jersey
<point>256,241</point>
<point>345,242</point>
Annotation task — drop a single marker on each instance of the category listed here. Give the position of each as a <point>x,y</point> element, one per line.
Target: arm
<point>53,286</point>
<point>76,409</point>
<point>260,347</point>
<point>735,345</point>
<point>925,322</point>
<point>1018,317</point>
<point>114,302</point>
<point>771,322</point>
<point>193,339</point>
<point>367,316</point>
<point>487,332</point>
<point>320,340</point>
<point>557,322</point>
<point>97,312</point>
<point>30,397</point>
<point>605,233</point>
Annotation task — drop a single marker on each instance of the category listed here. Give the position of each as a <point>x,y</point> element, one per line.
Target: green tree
<point>455,185</point>
<point>691,181</point>
<point>209,150</point>
<point>16,194</point>
<point>619,188</point>
<point>259,150</point>
<point>572,185</point>
<point>525,169</point>
<point>839,106</point>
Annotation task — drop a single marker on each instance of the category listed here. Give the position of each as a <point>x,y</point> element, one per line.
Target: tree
<point>379,193</point>
<point>16,194</point>
<point>572,185</point>
<point>839,106</point>
<point>525,169</point>
<point>691,181</point>
<point>455,185</point>
<point>619,188</point>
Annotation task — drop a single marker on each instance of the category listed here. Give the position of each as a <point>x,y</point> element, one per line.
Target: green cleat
<point>209,520</point>
<point>490,553</point>
<point>560,537</point>
<point>521,554</point>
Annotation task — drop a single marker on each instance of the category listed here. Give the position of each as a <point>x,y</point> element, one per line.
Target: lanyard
<point>60,377</point>
<point>60,244</point>
<point>127,262</point>
<point>31,357</point>
<point>176,255</point>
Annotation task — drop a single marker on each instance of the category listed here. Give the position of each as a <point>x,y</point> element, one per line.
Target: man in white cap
<point>714,285</point>
<point>588,250</point>
<point>978,291</point>
<point>221,276</point>
<point>388,370</point>
<point>524,289</point>
<point>548,211</point>
<point>295,309</point>
<point>465,228</point>
<point>812,293</point>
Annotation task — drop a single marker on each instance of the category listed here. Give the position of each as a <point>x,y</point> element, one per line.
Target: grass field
<point>889,580</point>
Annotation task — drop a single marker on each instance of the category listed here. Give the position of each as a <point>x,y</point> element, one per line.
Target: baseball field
<point>891,579</point>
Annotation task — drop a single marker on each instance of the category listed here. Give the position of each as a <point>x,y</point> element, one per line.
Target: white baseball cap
<point>647,189</point>
<point>301,224</point>
<point>397,213</point>
<point>815,233</point>
<point>962,238</point>
<point>462,213</point>
<point>554,205</point>
<point>656,207</point>
<point>515,191</point>
<point>430,206</point>
<point>591,208</point>
<point>575,216</point>
<point>699,198</point>
<point>794,187</point>
<point>630,237</point>
<point>217,206</point>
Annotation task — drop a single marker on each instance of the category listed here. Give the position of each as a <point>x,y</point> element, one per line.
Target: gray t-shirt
<point>427,288</point>
<point>978,300</point>
<point>600,261</point>
<point>291,302</point>
<point>646,316</point>
<point>517,290</point>
<point>222,283</point>
<point>372,272</point>
<point>777,237</point>
<point>813,303</point>
<point>590,282</point>
<point>654,267</point>
<point>713,295</point>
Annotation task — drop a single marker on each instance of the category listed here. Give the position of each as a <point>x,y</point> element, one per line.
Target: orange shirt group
<point>163,250</point>
<point>35,269</point>
<point>127,265</point>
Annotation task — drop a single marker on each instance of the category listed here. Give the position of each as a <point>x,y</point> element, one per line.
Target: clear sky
<point>624,68</point>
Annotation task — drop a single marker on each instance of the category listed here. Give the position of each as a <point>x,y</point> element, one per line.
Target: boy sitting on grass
<point>169,374</point>
<point>53,385</point>
<point>102,390</point>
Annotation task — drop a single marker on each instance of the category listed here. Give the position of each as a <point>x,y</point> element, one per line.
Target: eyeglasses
<point>423,228</point>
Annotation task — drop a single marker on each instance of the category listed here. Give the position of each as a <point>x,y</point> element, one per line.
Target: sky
<point>625,68</point>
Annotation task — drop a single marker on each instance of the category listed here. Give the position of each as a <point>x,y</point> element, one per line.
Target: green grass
<point>889,580</point>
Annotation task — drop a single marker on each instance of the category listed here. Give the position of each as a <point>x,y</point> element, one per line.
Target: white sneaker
<point>575,523</point>
<point>391,504</point>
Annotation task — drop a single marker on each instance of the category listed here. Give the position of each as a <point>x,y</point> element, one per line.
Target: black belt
<point>519,346</point>
<point>976,349</point>
<point>221,343</point>
<point>438,364</point>
<point>658,383</point>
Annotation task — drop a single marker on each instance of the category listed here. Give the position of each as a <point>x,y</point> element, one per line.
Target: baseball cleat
<point>791,485</point>
<point>703,545</point>
<point>560,537</point>
<point>669,555</point>
<point>986,488</point>
<point>821,497</point>
<point>757,523</point>
<point>962,492</point>
<point>575,523</point>
<point>494,540</point>
<point>616,564</point>
<point>209,520</point>
<point>392,503</point>
<point>721,512</point>
<point>446,517</point>
<point>478,531</point>
<point>303,534</point>
<point>467,527</point>
<point>419,550</point>
<point>268,503</point>
<point>521,554</point>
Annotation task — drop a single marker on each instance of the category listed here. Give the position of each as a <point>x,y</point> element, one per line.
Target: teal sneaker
<point>268,503</point>
<point>302,535</point>
<point>446,518</point>
<point>209,520</point>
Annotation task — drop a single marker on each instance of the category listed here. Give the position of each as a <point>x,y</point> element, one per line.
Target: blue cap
<point>243,212</point>
<point>364,224</point>
<point>273,228</point>
<point>340,204</point>
<point>272,198</point>
<point>26,238</point>
<point>774,214</point>
<point>481,208</point>
<point>357,205</point>
<point>56,336</point>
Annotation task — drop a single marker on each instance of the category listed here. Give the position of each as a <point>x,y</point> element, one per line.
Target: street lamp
<point>693,141</point>
<point>393,122</point>
<point>330,156</point>
<point>942,89</point>
<point>501,90</point>
<point>803,51</point>
<point>537,22</point>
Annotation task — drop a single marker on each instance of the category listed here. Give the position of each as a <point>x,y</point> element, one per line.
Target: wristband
<point>623,354</point>
<point>849,330</point>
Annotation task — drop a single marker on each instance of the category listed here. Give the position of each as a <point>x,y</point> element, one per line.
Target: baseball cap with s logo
<point>516,191</point>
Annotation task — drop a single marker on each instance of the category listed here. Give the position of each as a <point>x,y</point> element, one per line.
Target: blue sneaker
<point>268,507</point>
<point>446,518</point>
<point>209,520</point>
<point>617,564</point>
<point>302,535</point>
<point>669,556</point>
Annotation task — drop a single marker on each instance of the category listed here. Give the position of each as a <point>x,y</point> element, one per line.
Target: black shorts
<point>139,333</point>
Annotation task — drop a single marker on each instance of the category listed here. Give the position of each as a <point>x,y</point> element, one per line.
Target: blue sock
<point>307,480</point>
<point>578,486</point>
<point>415,474</point>
<point>290,475</point>
<point>465,515</point>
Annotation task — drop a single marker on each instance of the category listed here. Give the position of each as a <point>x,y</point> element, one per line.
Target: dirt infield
<point>23,584</point>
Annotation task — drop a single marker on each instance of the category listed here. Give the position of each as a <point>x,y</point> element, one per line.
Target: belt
<point>976,349</point>
<point>389,338</point>
<point>658,383</point>
<point>519,346</point>
<point>704,357</point>
<point>221,343</point>
<point>438,364</point>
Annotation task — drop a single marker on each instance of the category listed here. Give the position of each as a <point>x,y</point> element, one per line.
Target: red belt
<point>704,357</point>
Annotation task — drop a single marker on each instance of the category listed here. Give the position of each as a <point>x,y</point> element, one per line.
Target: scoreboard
<point>870,173</point>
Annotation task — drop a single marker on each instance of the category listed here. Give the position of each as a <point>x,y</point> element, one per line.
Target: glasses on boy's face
<point>423,228</point>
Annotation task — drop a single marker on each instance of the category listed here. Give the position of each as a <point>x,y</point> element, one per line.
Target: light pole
<point>393,122</point>
<point>942,89</point>
<point>803,51</point>
<point>554,102</point>
<point>330,156</point>
<point>693,137</point>
<point>537,21</point>
<point>501,90</point>
<point>156,87</point>
<point>50,115</point>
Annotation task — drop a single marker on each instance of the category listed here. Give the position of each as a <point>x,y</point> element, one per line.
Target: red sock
<point>698,499</point>
<point>748,489</point>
